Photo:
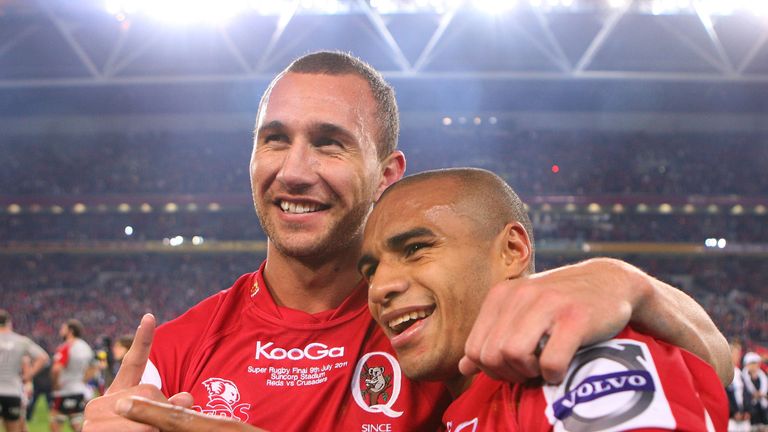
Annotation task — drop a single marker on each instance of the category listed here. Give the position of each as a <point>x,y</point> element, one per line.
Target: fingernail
<point>123,406</point>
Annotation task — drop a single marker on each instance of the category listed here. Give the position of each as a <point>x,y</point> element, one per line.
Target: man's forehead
<point>318,85</point>
<point>411,206</point>
<point>313,98</point>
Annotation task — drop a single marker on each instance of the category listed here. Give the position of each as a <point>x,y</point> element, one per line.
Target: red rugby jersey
<point>242,356</point>
<point>632,382</point>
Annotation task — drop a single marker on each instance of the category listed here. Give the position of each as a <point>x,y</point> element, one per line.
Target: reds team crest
<point>223,398</point>
<point>376,384</point>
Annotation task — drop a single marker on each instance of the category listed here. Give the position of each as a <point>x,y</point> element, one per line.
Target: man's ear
<point>516,250</point>
<point>393,169</point>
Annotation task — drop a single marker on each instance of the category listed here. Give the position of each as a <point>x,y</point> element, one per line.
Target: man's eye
<point>368,272</point>
<point>414,247</point>
<point>325,142</point>
<point>276,137</point>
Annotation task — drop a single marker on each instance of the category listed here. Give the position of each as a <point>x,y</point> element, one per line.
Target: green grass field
<point>39,422</point>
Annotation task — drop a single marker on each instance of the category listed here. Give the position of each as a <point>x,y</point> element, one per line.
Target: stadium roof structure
<point>60,43</point>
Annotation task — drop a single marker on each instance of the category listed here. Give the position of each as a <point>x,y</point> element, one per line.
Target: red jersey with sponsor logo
<point>632,382</point>
<point>242,356</point>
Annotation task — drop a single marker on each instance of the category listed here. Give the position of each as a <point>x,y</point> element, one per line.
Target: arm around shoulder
<point>673,316</point>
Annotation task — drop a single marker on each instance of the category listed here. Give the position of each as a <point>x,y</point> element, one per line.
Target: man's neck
<point>311,286</point>
<point>458,384</point>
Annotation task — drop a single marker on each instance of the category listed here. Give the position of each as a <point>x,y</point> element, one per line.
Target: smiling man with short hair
<point>435,244</point>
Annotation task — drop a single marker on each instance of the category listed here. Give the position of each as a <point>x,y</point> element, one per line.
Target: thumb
<point>183,399</point>
<point>467,367</point>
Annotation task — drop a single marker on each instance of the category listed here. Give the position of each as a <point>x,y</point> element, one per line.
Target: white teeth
<point>407,317</point>
<point>292,207</point>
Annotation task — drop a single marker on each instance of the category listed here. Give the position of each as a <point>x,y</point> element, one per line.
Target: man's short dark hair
<point>341,63</point>
<point>489,195</point>
<point>75,326</point>
<point>5,317</point>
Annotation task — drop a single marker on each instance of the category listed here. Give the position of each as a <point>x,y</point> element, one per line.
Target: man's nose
<point>388,282</point>
<point>298,167</point>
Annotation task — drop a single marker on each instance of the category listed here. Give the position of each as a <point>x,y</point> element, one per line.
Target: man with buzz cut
<point>292,346</point>
<point>14,348</point>
<point>434,245</point>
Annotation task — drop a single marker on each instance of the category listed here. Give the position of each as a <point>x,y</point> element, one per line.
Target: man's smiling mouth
<point>400,323</point>
<point>300,208</point>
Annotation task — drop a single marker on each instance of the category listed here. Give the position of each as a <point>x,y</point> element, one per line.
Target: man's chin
<point>302,248</point>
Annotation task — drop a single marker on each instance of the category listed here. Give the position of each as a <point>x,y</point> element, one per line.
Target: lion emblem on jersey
<point>377,385</point>
<point>223,398</point>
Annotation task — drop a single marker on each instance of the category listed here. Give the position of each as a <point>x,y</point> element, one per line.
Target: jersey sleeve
<point>172,358</point>
<point>62,355</point>
<point>632,382</point>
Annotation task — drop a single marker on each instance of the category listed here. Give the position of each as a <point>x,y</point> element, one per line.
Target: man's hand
<point>170,418</point>
<point>101,414</point>
<point>578,305</point>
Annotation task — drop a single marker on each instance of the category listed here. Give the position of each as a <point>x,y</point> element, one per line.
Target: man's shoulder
<point>14,338</point>
<point>633,381</point>
<point>203,314</point>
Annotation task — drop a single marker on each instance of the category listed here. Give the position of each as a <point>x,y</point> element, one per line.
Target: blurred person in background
<point>756,384</point>
<point>41,386</point>
<point>118,350</point>
<point>14,348</point>
<point>739,398</point>
<point>72,363</point>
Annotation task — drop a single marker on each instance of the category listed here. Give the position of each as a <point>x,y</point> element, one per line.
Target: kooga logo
<point>313,351</point>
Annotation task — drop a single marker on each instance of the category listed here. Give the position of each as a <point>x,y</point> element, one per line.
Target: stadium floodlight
<point>494,7</point>
<point>414,6</point>
<point>180,11</point>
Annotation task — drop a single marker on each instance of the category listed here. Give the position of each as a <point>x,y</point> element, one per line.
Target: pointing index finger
<point>135,359</point>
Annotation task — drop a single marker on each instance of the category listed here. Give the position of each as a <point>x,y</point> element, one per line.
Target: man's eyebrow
<point>331,129</point>
<point>273,125</point>
<point>397,241</point>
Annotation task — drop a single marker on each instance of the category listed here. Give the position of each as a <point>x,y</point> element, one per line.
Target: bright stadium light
<point>180,11</point>
<point>494,7</point>
<point>729,7</point>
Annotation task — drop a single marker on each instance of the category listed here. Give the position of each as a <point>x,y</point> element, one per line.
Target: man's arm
<point>38,362</point>
<point>55,372</point>
<point>673,316</point>
<point>577,305</point>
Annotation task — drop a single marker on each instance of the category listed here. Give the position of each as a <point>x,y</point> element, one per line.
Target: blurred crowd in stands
<point>52,266</point>
<point>587,163</point>
<point>109,294</point>
<point>241,224</point>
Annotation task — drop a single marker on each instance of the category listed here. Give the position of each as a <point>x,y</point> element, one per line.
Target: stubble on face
<point>348,187</point>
